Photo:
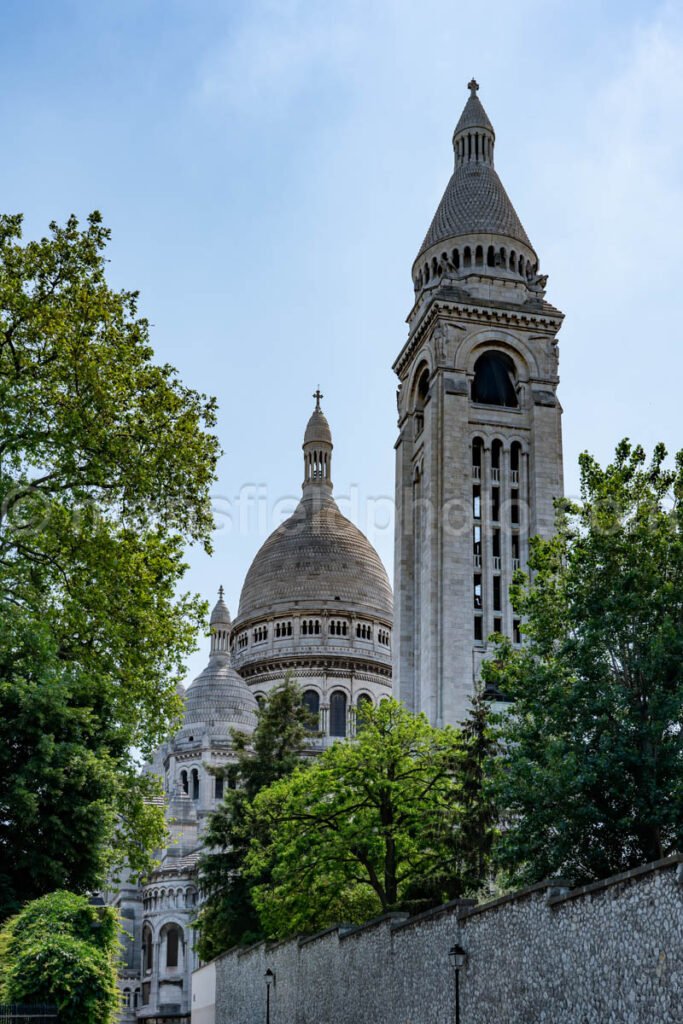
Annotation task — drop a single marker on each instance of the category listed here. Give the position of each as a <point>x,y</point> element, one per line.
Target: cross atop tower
<point>220,593</point>
<point>473,86</point>
<point>318,395</point>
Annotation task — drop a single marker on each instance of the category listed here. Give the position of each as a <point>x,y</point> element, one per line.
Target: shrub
<point>61,949</point>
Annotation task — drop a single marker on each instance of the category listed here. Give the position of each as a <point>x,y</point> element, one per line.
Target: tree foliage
<point>106,460</point>
<point>592,783</point>
<point>62,950</point>
<point>370,826</point>
<point>228,917</point>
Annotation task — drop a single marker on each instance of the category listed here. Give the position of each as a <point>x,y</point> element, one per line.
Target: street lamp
<point>459,957</point>
<point>270,978</point>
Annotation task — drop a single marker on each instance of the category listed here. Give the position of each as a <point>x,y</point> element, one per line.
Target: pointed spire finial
<point>473,86</point>
<point>318,395</point>
<point>220,593</point>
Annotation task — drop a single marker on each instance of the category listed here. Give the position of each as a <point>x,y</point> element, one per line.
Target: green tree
<point>228,917</point>
<point>479,827</point>
<point>106,461</point>
<point>62,950</point>
<point>592,783</point>
<point>363,830</point>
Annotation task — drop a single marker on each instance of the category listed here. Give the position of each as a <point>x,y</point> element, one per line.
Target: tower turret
<point>317,449</point>
<point>220,625</point>
<point>479,453</point>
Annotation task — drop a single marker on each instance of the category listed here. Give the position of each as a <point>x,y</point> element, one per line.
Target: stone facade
<point>609,953</point>
<point>479,452</point>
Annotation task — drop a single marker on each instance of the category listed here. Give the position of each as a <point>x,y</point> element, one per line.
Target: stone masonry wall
<point>609,953</point>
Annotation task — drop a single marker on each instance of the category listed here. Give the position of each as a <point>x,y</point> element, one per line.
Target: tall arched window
<point>477,457</point>
<point>173,940</point>
<point>184,782</point>
<point>421,395</point>
<point>195,784</point>
<point>338,714</point>
<point>494,380</point>
<point>311,701</point>
<point>147,950</point>
<point>363,705</point>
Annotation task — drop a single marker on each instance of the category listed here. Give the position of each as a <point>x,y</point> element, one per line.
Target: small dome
<point>217,701</point>
<point>473,115</point>
<point>220,616</point>
<point>315,557</point>
<point>318,429</point>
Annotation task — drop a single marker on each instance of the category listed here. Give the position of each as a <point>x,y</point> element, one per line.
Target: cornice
<point>544,318</point>
<point>306,668</point>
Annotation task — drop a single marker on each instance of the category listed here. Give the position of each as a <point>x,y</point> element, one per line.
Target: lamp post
<point>459,957</point>
<point>270,978</point>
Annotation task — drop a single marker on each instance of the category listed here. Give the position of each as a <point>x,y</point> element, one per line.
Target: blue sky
<point>269,168</point>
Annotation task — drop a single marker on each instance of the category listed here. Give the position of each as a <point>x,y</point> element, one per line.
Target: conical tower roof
<point>475,201</point>
<point>473,114</point>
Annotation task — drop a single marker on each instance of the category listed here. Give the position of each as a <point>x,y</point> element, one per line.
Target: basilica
<point>478,467</point>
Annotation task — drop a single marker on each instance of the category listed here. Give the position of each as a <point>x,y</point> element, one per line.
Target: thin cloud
<point>278,51</point>
<point>627,172</point>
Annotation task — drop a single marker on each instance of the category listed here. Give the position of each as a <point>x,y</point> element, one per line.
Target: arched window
<point>147,950</point>
<point>126,998</point>
<point>195,784</point>
<point>363,705</point>
<point>494,380</point>
<point>477,456</point>
<point>479,256</point>
<point>338,714</point>
<point>183,782</point>
<point>421,395</point>
<point>173,940</point>
<point>496,456</point>
<point>218,792</point>
<point>311,701</point>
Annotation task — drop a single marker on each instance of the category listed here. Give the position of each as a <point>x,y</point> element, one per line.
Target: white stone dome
<point>218,700</point>
<point>316,558</point>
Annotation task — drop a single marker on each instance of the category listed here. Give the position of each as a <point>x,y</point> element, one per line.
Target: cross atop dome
<point>318,395</point>
<point>221,592</point>
<point>473,86</point>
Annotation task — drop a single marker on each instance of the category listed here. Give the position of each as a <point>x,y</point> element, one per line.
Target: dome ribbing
<point>315,557</point>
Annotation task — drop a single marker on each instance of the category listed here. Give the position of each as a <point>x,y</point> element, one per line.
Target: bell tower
<point>479,451</point>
